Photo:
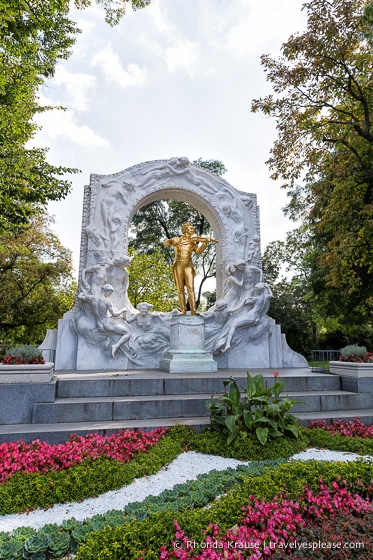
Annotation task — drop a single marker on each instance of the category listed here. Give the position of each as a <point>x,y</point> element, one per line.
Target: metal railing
<point>320,359</point>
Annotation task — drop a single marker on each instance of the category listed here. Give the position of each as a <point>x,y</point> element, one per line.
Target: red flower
<point>276,374</point>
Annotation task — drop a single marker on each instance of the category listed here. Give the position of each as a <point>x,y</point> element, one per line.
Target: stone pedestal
<point>187,353</point>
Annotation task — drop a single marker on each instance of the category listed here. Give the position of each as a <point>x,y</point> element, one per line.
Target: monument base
<point>187,352</point>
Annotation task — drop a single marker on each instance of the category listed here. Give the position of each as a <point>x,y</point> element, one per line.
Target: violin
<point>202,239</point>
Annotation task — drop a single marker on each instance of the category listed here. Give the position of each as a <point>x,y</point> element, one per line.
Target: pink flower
<point>276,374</point>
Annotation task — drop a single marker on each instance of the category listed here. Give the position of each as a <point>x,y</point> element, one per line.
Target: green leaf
<point>262,435</point>
<point>233,434</point>
<point>230,422</point>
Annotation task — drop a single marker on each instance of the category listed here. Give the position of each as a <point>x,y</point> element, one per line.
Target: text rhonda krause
<point>296,545</point>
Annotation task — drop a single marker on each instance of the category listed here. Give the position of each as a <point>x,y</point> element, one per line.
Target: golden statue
<point>183,269</point>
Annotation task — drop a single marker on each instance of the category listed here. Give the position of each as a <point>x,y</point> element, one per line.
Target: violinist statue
<point>183,269</point>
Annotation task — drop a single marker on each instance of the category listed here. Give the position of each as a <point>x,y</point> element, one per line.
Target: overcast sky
<point>174,79</point>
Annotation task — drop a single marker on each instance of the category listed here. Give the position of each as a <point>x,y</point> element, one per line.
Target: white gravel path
<point>186,467</point>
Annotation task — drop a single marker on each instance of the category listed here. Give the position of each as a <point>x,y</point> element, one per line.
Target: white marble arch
<point>233,215</point>
<point>102,331</point>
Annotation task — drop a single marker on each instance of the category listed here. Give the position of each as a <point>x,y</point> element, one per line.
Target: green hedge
<point>322,438</point>
<point>144,539</point>
<point>248,448</point>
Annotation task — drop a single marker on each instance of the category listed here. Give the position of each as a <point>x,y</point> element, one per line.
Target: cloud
<point>182,54</point>
<point>62,124</point>
<point>109,63</point>
<point>177,51</point>
<point>260,25</point>
<point>78,86</point>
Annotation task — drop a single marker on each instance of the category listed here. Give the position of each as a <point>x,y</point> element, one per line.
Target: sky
<point>174,79</point>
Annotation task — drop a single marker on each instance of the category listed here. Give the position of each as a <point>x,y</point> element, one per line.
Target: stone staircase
<point>106,402</point>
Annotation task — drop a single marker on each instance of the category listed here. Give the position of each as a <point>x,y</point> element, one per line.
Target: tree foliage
<point>34,36</point>
<point>151,281</point>
<point>163,219</point>
<point>323,106</point>
<point>290,305</point>
<point>36,284</point>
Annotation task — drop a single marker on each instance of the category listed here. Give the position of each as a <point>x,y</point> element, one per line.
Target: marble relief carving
<point>104,319</point>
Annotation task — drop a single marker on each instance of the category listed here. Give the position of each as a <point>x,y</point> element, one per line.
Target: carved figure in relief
<point>253,249</point>
<point>214,319</point>
<point>250,314</point>
<point>119,278</point>
<point>126,184</point>
<point>115,233</point>
<point>98,276</point>
<point>151,334</point>
<point>234,284</point>
<point>96,236</point>
<point>171,168</point>
<point>113,199</point>
<point>183,269</point>
<point>101,306</point>
<point>143,318</point>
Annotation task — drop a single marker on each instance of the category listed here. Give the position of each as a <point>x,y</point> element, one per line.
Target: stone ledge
<point>350,369</point>
<point>27,373</point>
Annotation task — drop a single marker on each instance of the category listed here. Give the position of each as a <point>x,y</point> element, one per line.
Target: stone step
<point>60,432</point>
<point>92,409</point>
<point>154,382</point>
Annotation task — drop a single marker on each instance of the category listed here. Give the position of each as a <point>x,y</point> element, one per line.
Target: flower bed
<point>276,506</point>
<point>277,527</point>
<point>42,457</point>
<point>354,428</point>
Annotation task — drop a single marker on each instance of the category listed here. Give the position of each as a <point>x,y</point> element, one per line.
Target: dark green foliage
<point>337,442</point>
<point>322,103</point>
<point>35,35</point>
<point>248,449</point>
<point>261,411</point>
<point>35,282</point>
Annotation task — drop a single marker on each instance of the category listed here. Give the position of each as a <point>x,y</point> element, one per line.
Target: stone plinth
<point>28,373</point>
<point>187,353</point>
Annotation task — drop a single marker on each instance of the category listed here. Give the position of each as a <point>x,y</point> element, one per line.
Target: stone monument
<point>104,331</point>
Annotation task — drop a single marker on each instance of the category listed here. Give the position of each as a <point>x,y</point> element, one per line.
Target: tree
<point>36,283</point>
<point>151,281</point>
<point>34,36</point>
<point>290,306</point>
<point>323,106</point>
<point>163,219</point>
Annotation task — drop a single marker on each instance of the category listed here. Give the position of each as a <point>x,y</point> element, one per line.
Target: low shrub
<point>321,438</point>
<point>247,448</point>
<point>23,354</point>
<point>356,354</point>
